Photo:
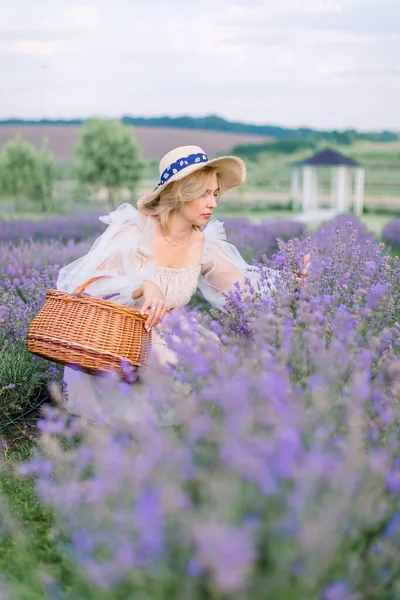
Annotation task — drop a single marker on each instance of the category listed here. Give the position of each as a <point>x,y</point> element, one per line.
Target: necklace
<point>180,243</point>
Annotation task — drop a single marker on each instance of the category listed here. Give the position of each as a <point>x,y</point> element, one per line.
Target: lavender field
<point>279,475</point>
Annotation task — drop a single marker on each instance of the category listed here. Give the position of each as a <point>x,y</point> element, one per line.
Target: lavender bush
<point>21,262</point>
<point>277,469</point>
<point>391,233</point>
<point>29,268</point>
<point>77,226</point>
<point>23,376</point>
<point>328,230</point>
<point>257,239</point>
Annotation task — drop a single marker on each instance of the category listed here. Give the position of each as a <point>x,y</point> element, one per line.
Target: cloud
<point>37,35</point>
<point>54,35</point>
<point>357,16</point>
<point>368,73</point>
<point>84,15</point>
<point>34,48</point>
<point>78,18</point>
<point>316,6</point>
<point>310,62</point>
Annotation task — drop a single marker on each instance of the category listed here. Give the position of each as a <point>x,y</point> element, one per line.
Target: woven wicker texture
<point>91,333</point>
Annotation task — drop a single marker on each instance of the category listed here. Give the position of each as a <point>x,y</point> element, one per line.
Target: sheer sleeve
<point>223,266</point>
<point>113,255</point>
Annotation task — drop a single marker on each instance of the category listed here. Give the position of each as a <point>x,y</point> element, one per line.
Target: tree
<point>18,170</point>
<point>46,175</point>
<point>109,156</point>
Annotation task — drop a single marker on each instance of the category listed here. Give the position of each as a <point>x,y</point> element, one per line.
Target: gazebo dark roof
<point>327,158</point>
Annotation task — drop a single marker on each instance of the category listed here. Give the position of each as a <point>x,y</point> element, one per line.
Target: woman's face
<point>198,211</point>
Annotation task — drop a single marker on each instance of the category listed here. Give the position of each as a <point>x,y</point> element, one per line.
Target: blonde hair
<point>189,188</point>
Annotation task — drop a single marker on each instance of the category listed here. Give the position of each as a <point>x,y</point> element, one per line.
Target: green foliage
<point>150,170</point>
<point>18,170</point>
<point>26,173</point>
<point>108,156</point>
<point>29,556</point>
<point>22,381</point>
<point>379,136</point>
<point>34,562</point>
<point>295,144</point>
<point>287,146</point>
<point>65,171</point>
<point>46,176</point>
<point>217,123</point>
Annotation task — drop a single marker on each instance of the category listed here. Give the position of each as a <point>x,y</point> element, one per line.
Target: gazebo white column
<point>334,182</point>
<point>348,188</point>
<point>307,187</point>
<point>341,189</point>
<point>359,191</point>
<point>314,189</point>
<point>346,175</point>
<point>295,188</point>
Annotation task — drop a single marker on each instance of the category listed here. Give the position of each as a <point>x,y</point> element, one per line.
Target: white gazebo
<point>345,177</point>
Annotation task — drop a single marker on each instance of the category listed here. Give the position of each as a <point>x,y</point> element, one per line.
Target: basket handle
<point>81,288</point>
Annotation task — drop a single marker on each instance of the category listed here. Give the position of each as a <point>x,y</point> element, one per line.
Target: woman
<point>153,258</point>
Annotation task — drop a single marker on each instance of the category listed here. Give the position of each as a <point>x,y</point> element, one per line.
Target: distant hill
<point>217,123</point>
<point>154,141</point>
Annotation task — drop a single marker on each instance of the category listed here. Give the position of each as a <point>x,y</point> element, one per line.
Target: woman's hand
<point>154,304</point>
<point>303,273</point>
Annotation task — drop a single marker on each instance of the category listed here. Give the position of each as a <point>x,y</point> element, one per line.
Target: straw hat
<point>183,161</point>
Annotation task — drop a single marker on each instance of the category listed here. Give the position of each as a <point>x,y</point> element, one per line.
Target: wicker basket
<point>89,333</point>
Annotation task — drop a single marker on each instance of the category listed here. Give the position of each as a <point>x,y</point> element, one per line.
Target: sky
<point>315,63</point>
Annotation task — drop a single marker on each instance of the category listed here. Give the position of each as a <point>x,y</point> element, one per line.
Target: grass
<point>23,555</point>
<point>374,221</point>
<point>29,554</point>
<point>253,215</point>
<point>27,549</point>
<point>269,178</point>
<point>272,172</point>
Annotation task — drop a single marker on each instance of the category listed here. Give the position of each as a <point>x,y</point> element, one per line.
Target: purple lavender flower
<point>339,590</point>
<point>228,553</point>
<point>110,296</point>
<point>270,448</point>
<point>148,514</point>
<point>391,233</point>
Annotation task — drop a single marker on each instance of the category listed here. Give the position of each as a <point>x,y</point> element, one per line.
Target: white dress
<point>123,255</point>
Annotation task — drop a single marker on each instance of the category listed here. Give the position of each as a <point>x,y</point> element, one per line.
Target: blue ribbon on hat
<point>179,165</point>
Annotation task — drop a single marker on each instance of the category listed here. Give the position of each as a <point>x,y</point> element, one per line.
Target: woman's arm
<point>113,257</point>
<point>154,303</point>
<point>223,267</point>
